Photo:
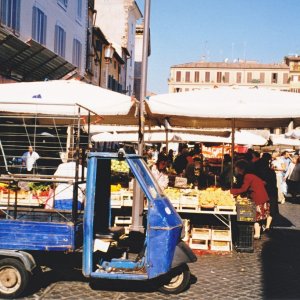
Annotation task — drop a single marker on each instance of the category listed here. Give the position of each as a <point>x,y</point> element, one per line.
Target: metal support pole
<point>232,148</point>
<point>75,186</point>
<point>138,197</point>
<point>106,74</point>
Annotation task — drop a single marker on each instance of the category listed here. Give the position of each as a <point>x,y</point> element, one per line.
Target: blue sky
<point>186,30</point>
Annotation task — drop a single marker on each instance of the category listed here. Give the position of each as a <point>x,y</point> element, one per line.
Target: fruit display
<point>243,201</point>
<point>215,197</point>
<point>119,166</point>
<point>173,193</point>
<point>115,188</point>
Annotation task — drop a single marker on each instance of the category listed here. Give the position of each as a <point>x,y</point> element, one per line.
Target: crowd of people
<point>267,179</point>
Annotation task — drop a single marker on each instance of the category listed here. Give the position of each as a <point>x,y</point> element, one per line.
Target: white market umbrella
<point>217,107</point>
<point>62,97</point>
<point>295,134</point>
<point>281,140</point>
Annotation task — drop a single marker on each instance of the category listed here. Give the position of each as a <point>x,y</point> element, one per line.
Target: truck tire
<point>13,278</point>
<point>177,281</point>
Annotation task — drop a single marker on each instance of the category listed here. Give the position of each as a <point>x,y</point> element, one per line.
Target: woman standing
<point>255,188</point>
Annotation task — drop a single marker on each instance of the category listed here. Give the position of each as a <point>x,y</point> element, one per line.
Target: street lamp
<point>108,55</point>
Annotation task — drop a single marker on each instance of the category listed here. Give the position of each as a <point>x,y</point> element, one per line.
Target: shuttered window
<point>249,77</point>
<point>60,41</point>
<point>219,77</point>
<point>238,77</point>
<point>77,52</point>
<point>10,14</point>
<point>197,76</point>
<point>262,77</point>
<point>187,76</point>
<point>178,76</point>
<point>285,78</point>
<point>39,25</point>
<point>226,77</point>
<point>207,76</point>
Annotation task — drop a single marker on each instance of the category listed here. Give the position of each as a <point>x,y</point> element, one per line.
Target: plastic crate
<point>246,213</point>
<point>245,238</point>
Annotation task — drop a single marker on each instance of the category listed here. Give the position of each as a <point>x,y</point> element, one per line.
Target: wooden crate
<point>220,246</point>
<point>116,200</point>
<point>226,209</point>
<point>123,221</point>
<point>127,198</point>
<point>221,234</point>
<point>198,244</point>
<point>201,233</point>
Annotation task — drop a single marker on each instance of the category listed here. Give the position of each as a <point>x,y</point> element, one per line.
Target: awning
<point>281,140</point>
<point>249,107</point>
<point>30,61</point>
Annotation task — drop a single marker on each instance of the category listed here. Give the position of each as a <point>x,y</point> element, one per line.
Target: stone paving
<point>271,272</point>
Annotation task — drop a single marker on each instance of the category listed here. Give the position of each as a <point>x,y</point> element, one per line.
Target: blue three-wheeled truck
<point>106,251</point>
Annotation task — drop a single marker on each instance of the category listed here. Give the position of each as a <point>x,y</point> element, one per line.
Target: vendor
<point>254,187</point>
<point>29,159</point>
<point>192,171</point>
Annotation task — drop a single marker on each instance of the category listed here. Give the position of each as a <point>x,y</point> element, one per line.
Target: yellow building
<point>294,65</point>
<point>196,75</point>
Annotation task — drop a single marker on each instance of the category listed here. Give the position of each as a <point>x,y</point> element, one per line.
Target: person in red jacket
<point>255,189</point>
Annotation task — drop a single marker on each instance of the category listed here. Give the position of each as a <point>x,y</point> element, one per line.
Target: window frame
<point>77,53</point>
<point>39,17</point>
<point>60,49</point>
<point>10,16</point>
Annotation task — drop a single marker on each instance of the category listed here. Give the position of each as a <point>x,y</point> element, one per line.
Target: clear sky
<point>190,30</point>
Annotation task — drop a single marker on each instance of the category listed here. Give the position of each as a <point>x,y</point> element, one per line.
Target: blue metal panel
<point>123,264</point>
<point>164,230</point>
<point>43,236</point>
<point>88,222</point>
<point>126,276</point>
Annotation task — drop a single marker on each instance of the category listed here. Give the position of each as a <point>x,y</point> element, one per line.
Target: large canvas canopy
<point>62,98</point>
<point>248,107</point>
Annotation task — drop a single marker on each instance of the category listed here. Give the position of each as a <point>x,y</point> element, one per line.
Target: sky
<point>192,30</point>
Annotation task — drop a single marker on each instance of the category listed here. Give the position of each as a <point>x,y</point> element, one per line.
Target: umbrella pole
<point>138,196</point>
<point>222,165</point>
<point>232,148</point>
<point>167,140</point>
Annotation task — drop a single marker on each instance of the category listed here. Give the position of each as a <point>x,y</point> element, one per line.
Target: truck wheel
<point>177,281</point>
<point>13,278</point>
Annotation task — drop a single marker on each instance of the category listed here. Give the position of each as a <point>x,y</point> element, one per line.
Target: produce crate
<point>220,234</point>
<point>220,246</point>
<point>226,209</point>
<point>189,203</point>
<point>201,233</point>
<point>245,237</point>
<point>246,213</point>
<point>116,199</point>
<point>198,244</point>
<point>123,221</point>
<point>127,198</point>
<point>175,203</point>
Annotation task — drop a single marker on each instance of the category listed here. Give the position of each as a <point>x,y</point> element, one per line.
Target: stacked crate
<point>123,221</point>
<point>220,239</point>
<point>200,238</point>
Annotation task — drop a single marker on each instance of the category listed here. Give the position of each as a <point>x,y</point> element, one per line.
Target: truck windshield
<point>146,177</point>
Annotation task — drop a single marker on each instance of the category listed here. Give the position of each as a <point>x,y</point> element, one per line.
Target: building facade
<point>117,20</point>
<point>193,76</point>
<point>294,65</point>
<point>57,25</point>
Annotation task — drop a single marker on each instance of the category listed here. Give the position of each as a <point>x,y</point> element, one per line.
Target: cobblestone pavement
<point>271,272</point>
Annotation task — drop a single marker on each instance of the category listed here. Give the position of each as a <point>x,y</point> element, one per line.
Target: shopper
<point>192,171</point>
<point>254,187</point>
<point>292,176</point>
<point>279,166</point>
<point>226,174</point>
<point>162,160</point>
<point>170,158</point>
<point>268,175</point>
<point>286,159</point>
<point>29,159</point>
<point>181,162</point>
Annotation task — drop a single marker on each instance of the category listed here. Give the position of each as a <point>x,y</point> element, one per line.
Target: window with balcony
<point>197,76</point>
<point>238,77</point>
<point>178,76</point>
<point>60,41</point>
<point>187,76</point>
<point>77,52</point>
<point>10,14</point>
<point>219,77</point>
<point>39,25</point>
<point>207,76</point>
<point>274,77</point>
